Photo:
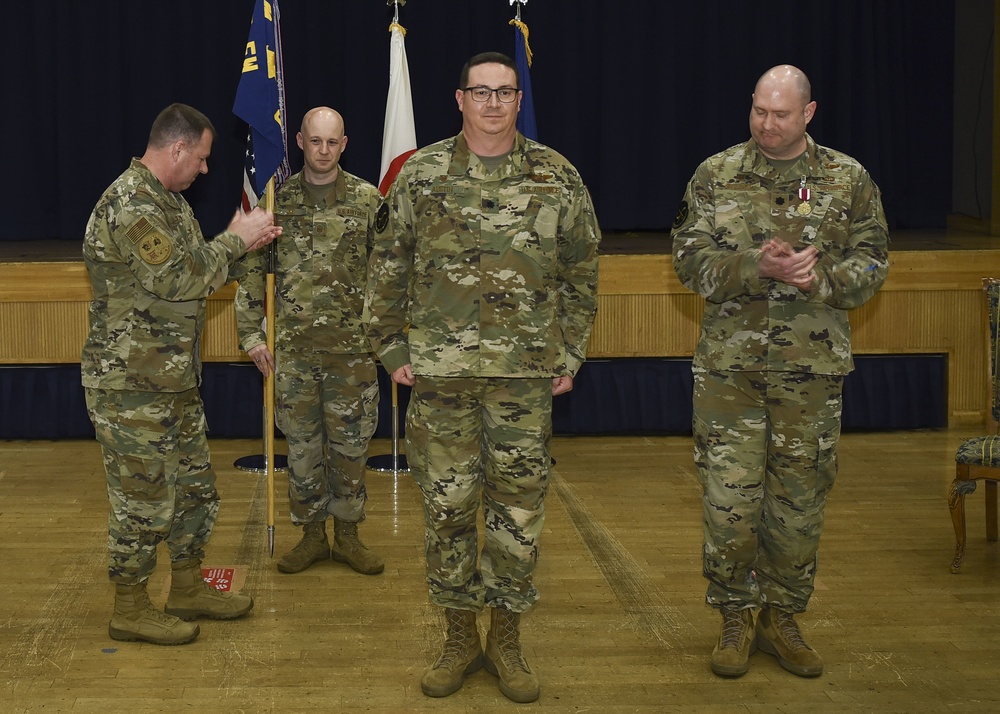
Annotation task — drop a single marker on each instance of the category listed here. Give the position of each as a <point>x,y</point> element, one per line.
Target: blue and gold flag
<point>260,102</point>
<point>522,56</point>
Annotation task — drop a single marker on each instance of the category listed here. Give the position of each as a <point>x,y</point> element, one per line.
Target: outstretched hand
<point>256,229</point>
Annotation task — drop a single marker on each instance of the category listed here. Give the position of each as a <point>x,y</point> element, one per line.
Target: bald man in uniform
<point>782,237</point>
<point>325,375</point>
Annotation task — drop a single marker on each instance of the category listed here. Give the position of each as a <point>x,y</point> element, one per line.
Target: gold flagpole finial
<point>516,22</point>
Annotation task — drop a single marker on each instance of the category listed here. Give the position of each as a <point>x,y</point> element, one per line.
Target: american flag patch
<point>138,230</point>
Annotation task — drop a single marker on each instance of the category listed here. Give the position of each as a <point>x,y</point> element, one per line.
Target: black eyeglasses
<point>482,94</point>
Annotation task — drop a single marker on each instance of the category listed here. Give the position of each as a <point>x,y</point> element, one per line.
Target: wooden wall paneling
<point>929,304</point>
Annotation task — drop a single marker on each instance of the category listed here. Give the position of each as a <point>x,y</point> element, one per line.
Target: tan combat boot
<point>313,548</point>
<point>504,659</point>
<point>348,548</point>
<point>462,655</point>
<point>190,596</point>
<point>136,620</point>
<point>778,634</point>
<point>737,641</point>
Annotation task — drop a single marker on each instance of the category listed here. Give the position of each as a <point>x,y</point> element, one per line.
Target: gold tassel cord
<point>524,31</point>
<point>401,28</point>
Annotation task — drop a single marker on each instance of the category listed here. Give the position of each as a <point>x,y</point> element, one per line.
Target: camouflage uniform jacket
<point>496,274</point>
<point>321,271</point>
<point>150,271</point>
<point>736,201</point>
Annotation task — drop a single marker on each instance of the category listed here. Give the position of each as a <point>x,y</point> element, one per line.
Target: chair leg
<point>956,503</point>
<point>991,510</point>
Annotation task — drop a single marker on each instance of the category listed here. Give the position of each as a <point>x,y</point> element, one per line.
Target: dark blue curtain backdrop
<point>634,92</point>
<point>622,396</point>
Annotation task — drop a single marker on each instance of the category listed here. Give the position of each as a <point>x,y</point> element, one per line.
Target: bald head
<point>323,117</point>
<point>785,79</point>
<point>322,141</point>
<point>782,109</point>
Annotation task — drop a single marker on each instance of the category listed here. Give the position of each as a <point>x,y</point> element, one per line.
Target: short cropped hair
<point>179,122</point>
<point>486,58</point>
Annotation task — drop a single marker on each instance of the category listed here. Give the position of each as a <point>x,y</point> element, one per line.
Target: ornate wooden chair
<point>978,459</point>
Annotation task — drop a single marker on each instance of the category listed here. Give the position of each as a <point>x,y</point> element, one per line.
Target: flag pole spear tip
<point>519,3</point>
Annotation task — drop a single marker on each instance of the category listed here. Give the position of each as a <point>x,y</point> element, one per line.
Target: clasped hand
<point>781,262</point>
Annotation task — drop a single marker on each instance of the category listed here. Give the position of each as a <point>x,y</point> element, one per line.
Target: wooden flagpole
<point>269,332</point>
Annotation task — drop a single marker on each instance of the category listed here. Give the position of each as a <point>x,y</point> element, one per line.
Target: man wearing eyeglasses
<point>482,298</point>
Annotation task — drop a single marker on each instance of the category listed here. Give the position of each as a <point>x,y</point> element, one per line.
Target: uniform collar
<point>755,162</point>
<point>462,162</point>
<point>156,186</point>
<point>295,186</point>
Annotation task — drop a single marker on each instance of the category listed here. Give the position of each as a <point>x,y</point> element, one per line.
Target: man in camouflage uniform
<point>781,237</point>
<point>487,249</point>
<point>150,271</point>
<point>325,375</point>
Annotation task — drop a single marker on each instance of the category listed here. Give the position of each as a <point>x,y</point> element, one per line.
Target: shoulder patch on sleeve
<point>138,229</point>
<point>155,248</point>
<point>382,217</point>
<point>682,215</point>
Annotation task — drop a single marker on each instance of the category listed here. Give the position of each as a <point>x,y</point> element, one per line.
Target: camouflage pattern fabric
<point>489,278</point>
<point>150,271</point>
<point>734,203</point>
<point>495,274</point>
<point>327,393</point>
<point>472,442</point>
<point>321,271</point>
<point>770,360</point>
<point>765,445</point>
<point>327,407</point>
<point>160,480</point>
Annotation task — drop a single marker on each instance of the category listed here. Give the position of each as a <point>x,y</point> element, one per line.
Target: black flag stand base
<point>257,463</point>
<point>395,462</point>
<point>389,463</point>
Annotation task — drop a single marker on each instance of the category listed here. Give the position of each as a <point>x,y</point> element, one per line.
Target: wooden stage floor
<point>620,627</point>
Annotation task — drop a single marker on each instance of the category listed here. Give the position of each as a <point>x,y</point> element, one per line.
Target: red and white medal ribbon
<point>804,195</point>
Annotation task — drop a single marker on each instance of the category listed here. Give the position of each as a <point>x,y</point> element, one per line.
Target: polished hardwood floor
<point>621,626</point>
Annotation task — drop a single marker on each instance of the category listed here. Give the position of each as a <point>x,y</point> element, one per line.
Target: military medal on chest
<point>805,194</point>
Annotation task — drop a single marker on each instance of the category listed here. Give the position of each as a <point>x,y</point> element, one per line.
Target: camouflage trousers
<point>472,441</point>
<point>328,411</point>
<point>160,479</point>
<point>765,446</point>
